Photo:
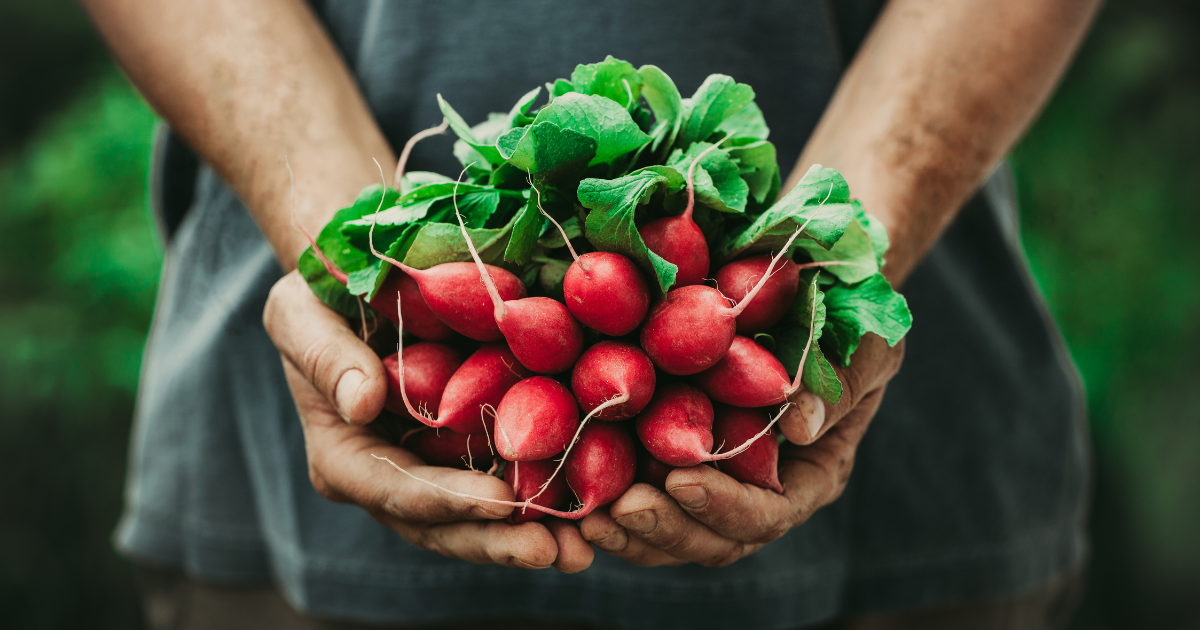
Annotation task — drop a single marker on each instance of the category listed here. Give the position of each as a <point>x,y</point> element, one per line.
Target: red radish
<point>535,420</point>
<point>599,471</point>
<point>750,376</point>
<point>651,471</point>
<point>541,332</point>
<point>757,465</point>
<point>693,327</point>
<point>527,479</point>
<point>738,278</point>
<point>677,427</point>
<point>678,239</point>
<point>605,291</point>
<point>448,448</point>
<point>480,383</point>
<point>610,370</point>
<point>429,367</point>
<point>420,320</point>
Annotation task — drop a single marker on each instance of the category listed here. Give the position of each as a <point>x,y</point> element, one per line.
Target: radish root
<point>330,268</point>
<point>513,504</point>
<point>750,442</point>
<point>412,142</point>
<point>616,400</point>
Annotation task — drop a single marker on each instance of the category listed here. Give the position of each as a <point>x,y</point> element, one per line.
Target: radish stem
<point>486,277</point>
<point>691,184</point>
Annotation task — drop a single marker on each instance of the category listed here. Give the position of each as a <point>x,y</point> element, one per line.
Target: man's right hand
<point>339,386</point>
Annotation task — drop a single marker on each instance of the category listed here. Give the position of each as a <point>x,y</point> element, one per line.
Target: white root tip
<point>748,443</point>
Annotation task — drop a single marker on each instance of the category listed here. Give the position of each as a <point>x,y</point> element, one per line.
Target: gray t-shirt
<point>970,483</point>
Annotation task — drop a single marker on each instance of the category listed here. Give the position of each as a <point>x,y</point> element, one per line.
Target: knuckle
<point>315,361</point>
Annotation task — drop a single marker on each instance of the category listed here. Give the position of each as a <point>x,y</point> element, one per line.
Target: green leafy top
<point>607,152</point>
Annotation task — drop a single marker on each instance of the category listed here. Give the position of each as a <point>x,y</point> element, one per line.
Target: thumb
<point>320,344</point>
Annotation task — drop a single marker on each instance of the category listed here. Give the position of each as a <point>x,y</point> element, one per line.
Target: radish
<point>421,321</point>
<point>605,291</point>
<point>676,428</point>
<point>599,471</point>
<point>429,367</point>
<point>738,278</point>
<point>535,420</point>
<point>757,465</point>
<point>612,370</point>
<point>750,376</point>
<point>651,471</point>
<point>479,382</point>
<point>678,239</point>
<point>447,448</point>
<point>541,332</point>
<point>527,479</point>
<point>693,327</point>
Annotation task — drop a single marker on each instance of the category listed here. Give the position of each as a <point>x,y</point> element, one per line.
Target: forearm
<point>246,84</point>
<point>939,92</point>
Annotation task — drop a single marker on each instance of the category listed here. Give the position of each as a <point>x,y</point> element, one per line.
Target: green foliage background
<point>1109,179</point>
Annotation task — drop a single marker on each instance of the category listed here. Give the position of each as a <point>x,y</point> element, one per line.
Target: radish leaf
<point>719,184</point>
<point>715,101</point>
<point>548,152</point>
<point>611,78</point>
<point>854,247</point>
<point>598,118</point>
<point>610,224</point>
<point>869,306</point>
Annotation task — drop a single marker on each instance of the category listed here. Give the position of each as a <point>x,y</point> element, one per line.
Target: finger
<point>342,469</point>
<point>731,509</point>
<point>601,530</point>
<point>320,344</point>
<point>873,364</point>
<point>525,546</point>
<point>651,516</point>
<point>574,553</point>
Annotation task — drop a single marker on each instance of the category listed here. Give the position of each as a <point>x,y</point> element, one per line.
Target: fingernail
<point>347,391</point>
<point>813,410</point>
<point>642,522</point>
<point>692,497</point>
<point>615,541</point>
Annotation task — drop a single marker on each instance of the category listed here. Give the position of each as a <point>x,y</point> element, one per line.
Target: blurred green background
<point>1109,179</point>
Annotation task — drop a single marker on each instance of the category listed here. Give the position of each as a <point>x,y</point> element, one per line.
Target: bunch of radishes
<point>643,339</point>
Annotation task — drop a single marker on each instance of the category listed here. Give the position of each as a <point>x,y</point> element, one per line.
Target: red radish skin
<point>535,420</point>
<point>428,368</point>
<point>599,471</point>
<point>689,330</point>
<point>651,471</point>
<point>737,279</point>
<point>526,479</point>
<point>609,370</point>
<point>747,376</point>
<point>605,291</point>
<point>676,428</point>
<point>420,321</point>
<point>480,383</point>
<point>449,448</point>
<point>750,376</point>
<point>678,239</point>
<point>540,331</point>
<point>757,465</point>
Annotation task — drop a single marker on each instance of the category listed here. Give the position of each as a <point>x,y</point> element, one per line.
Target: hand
<point>711,519</point>
<point>339,386</point>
